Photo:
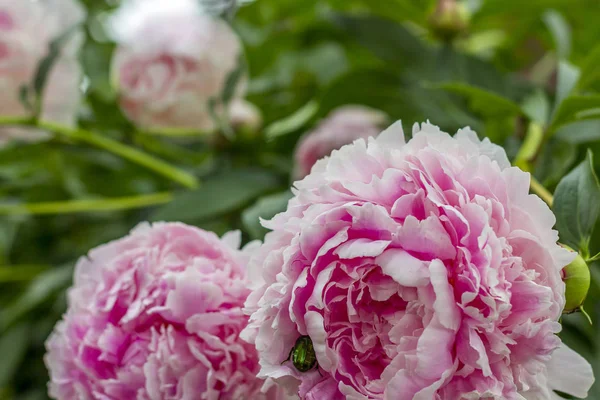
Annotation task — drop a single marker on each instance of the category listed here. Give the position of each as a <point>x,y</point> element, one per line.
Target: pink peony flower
<point>421,271</point>
<point>26,29</point>
<point>155,316</point>
<point>172,59</point>
<point>342,126</point>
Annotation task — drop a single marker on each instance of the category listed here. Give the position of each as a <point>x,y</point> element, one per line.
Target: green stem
<point>129,153</point>
<point>77,206</point>
<point>593,258</point>
<point>527,153</point>
<point>531,145</point>
<point>541,191</point>
<point>187,133</point>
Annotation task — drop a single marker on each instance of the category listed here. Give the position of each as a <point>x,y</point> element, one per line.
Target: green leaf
<point>384,90</point>
<point>482,101</point>
<point>224,193</point>
<point>567,78</point>
<point>14,273</point>
<point>484,43</point>
<point>266,208</point>
<point>560,30</point>
<point>580,132</point>
<point>576,108</point>
<point>536,107</point>
<point>377,88</point>
<point>13,345</point>
<point>293,122</point>
<point>36,293</point>
<point>386,39</point>
<point>590,72</point>
<point>95,58</point>
<point>415,60</point>
<point>554,160</point>
<point>499,129</point>
<point>514,7</point>
<point>446,111</point>
<point>448,65</point>
<point>36,394</point>
<point>577,205</point>
<point>8,232</point>
<point>400,9</point>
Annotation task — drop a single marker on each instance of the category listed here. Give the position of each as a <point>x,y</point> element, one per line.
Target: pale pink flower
<point>171,60</point>
<point>343,126</point>
<point>26,29</point>
<point>420,271</point>
<point>156,315</point>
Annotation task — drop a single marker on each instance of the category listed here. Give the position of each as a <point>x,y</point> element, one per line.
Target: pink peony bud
<point>170,62</point>
<point>414,271</point>
<point>342,126</point>
<point>26,29</point>
<point>156,315</point>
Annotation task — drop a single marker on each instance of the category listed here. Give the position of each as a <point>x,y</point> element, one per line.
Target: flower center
<point>361,306</point>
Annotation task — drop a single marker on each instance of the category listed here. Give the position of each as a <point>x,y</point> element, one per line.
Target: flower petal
<point>570,373</point>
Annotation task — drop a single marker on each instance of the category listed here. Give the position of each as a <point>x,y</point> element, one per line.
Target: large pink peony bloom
<point>420,271</point>
<point>343,126</point>
<point>172,59</point>
<point>156,316</point>
<point>26,29</point>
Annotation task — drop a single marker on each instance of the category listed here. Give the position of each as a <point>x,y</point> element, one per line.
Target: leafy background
<point>524,74</point>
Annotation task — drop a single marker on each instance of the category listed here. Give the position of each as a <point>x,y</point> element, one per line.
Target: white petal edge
<point>393,136</point>
<point>569,373</point>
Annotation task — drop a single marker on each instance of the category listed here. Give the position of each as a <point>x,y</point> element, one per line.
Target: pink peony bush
<point>171,60</point>
<point>421,270</point>
<point>26,29</point>
<point>156,315</point>
<point>342,126</point>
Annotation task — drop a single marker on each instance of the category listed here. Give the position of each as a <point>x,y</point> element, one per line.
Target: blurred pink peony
<point>172,59</point>
<point>421,271</point>
<point>156,315</point>
<point>343,126</point>
<point>26,29</point>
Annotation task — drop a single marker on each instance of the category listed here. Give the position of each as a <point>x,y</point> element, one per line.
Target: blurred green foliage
<point>524,74</point>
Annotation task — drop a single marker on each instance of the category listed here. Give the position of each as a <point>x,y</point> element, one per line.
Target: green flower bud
<point>577,280</point>
<point>449,20</point>
<point>245,117</point>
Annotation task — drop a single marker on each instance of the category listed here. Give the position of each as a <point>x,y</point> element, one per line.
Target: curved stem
<point>541,191</point>
<point>129,153</point>
<point>531,145</point>
<point>529,150</point>
<point>77,206</point>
